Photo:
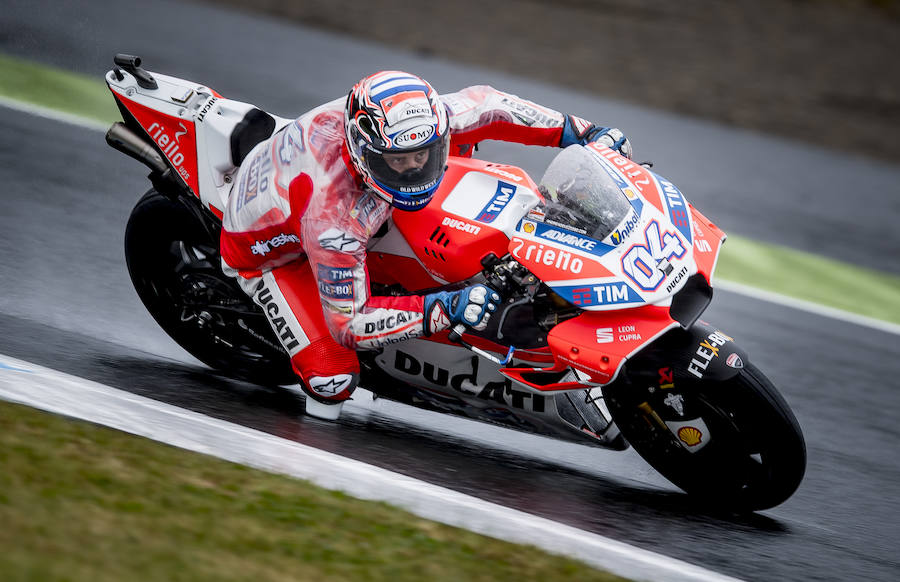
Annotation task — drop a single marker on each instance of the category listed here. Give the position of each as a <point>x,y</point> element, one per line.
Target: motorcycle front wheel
<point>755,454</point>
<point>175,267</point>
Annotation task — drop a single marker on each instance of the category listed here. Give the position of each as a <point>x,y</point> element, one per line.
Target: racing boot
<point>325,395</point>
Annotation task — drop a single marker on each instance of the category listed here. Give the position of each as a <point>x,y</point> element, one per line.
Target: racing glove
<point>583,132</point>
<point>471,306</point>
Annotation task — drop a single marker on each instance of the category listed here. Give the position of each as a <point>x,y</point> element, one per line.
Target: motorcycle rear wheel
<point>756,454</point>
<point>175,267</point>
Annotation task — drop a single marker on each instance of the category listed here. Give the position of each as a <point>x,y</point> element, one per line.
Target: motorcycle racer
<point>309,201</point>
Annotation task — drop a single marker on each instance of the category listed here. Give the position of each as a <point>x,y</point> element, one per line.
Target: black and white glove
<point>583,132</point>
<point>471,306</point>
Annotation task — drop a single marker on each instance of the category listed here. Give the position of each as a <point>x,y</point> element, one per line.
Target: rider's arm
<point>481,113</point>
<point>335,239</point>
<point>335,244</point>
<point>260,226</point>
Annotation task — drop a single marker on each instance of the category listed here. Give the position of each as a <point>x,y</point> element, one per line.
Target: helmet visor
<point>408,172</point>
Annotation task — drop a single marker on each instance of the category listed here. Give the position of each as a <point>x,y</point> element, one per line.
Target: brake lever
<point>456,334</point>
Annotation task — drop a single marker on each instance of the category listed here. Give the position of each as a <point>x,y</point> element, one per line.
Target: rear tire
<point>175,267</point>
<point>755,457</point>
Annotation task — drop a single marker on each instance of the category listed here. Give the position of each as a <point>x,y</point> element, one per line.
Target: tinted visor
<point>408,172</point>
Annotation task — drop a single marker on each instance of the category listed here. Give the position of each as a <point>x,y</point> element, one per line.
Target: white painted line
<point>53,114</point>
<point>808,306</point>
<point>753,292</point>
<point>61,393</point>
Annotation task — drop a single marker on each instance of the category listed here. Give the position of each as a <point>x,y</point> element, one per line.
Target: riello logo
<point>169,144</point>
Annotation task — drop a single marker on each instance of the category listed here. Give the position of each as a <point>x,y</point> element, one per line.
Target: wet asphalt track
<point>66,302</point>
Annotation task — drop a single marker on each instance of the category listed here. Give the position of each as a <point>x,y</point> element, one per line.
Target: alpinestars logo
<point>580,126</point>
<point>438,319</point>
<point>264,246</point>
<point>336,240</point>
<point>333,385</point>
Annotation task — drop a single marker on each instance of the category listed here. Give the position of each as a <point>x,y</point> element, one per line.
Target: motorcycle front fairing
<point>611,235</point>
<point>622,244</point>
<point>608,236</point>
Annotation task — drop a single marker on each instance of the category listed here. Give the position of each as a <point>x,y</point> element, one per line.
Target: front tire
<point>175,267</point>
<point>755,457</point>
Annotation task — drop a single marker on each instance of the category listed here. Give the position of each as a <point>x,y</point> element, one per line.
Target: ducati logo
<point>734,361</point>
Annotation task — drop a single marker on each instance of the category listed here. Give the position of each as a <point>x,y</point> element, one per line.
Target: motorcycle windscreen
<point>582,197</point>
<point>585,216</point>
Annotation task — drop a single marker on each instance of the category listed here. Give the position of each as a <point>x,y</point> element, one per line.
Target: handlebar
<point>455,334</point>
<point>508,277</point>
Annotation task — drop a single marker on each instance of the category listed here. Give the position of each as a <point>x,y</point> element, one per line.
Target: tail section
<point>195,131</point>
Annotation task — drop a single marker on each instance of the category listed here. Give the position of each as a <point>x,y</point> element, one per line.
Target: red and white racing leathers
<point>298,222</point>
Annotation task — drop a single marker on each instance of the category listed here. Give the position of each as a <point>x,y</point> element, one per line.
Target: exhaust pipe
<point>127,142</point>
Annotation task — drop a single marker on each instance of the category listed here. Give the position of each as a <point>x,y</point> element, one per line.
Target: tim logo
<point>603,294</point>
<point>497,203</point>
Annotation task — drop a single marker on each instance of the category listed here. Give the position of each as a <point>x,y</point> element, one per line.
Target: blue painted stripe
<point>598,294</point>
<point>679,213</point>
<point>394,78</point>
<point>399,89</point>
<point>8,367</point>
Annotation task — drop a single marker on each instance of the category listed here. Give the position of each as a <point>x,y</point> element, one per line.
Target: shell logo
<point>528,227</point>
<point>690,436</point>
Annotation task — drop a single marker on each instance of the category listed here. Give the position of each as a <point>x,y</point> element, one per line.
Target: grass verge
<point>772,268</point>
<point>79,502</point>
<point>811,278</point>
<point>57,89</point>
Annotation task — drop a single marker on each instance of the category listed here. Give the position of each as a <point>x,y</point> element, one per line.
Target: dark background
<point>822,71</point>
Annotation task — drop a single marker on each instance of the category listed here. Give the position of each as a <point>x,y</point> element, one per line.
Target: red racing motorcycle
<point>604,266</point>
